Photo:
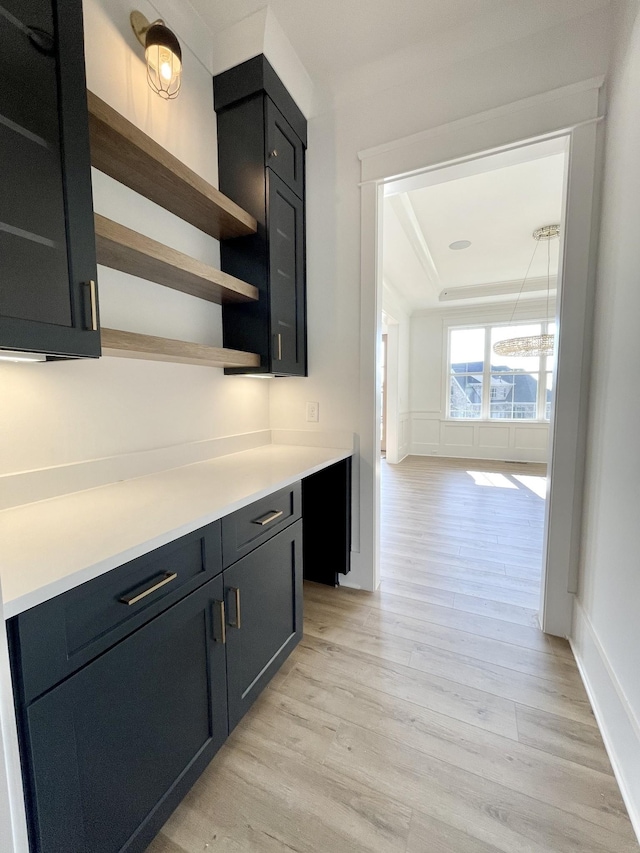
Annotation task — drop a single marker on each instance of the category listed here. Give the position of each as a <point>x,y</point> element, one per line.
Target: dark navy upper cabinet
<point>48,300</point>
<point>262,139</point>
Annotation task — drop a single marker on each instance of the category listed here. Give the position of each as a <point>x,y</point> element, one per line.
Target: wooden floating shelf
<point>151,348</point>
<point>122,151</point>
<point>122,249</point>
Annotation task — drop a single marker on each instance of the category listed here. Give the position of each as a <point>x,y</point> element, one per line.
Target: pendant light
<point>532,345</point>
<point>163,54</point>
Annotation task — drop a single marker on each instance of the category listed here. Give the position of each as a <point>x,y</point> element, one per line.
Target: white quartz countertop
<point>51,546</point>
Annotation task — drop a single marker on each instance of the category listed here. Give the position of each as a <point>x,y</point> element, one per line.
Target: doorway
<point>571,117</point>
<point>472,252</point>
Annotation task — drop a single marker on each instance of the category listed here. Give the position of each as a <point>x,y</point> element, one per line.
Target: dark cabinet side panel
<point>241,171</point>
<point>326,507</point>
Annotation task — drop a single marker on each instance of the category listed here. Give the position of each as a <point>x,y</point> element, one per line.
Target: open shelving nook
<point>122,151</point>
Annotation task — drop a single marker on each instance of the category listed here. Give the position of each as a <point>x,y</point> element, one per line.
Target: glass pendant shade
<point>532,345</point>
<point>164,61</point>
<point>163,55</point>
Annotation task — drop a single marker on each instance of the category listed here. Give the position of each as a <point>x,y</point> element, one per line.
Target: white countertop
<point>49,547</point>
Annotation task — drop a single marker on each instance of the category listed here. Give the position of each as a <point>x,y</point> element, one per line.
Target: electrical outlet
<point>313,415</point>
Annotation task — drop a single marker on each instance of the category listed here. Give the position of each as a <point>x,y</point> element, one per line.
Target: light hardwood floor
<point>432,716</point>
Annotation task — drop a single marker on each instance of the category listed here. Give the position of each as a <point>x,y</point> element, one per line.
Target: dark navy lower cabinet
<point>126,686</point>
<point>112,750</point>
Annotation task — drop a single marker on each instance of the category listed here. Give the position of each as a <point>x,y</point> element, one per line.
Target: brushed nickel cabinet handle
<point>268,518</point>
<point>238,622</point>
<point>93,305</point>
<point>134,599</point>
<point>279,336</point>
<point>273,153</point>
<point>223,623</point>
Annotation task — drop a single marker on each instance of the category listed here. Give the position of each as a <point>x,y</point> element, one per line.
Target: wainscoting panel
<point>531,437</point>
<point>432,435</point>
<point>426,431</point>
<point>493,436</point>
<point>457,435</point>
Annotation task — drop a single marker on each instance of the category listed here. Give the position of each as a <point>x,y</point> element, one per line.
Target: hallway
<point>432,716</point>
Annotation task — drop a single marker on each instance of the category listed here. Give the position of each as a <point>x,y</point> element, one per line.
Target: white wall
<point>262,33</point>
<point>607,621</point>
<point>432,434</point>
<point>57,413</point>
<point>566,54</point>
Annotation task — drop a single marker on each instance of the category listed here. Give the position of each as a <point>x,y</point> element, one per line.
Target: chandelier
<point>532,345</point>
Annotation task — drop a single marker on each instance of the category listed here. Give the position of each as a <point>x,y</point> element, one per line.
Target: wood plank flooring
<point>432,716</point>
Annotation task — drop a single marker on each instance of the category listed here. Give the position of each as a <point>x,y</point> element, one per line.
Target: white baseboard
<point>618,722</point>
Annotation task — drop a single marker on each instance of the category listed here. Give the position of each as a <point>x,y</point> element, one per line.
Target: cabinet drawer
<point>285,151</point>
<point>61,635</point>
<point>244,530</point>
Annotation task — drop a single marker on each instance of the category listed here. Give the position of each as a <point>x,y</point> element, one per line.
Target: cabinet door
<point>285,225</point>
<point>47,243</point>
<point>284,149</point>
<point>115,747</point>
<point>263,594</point>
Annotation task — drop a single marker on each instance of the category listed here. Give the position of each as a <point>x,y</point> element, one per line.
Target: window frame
<point>546,366</point>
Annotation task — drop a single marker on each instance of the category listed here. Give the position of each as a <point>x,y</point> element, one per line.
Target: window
<point>485,385</point>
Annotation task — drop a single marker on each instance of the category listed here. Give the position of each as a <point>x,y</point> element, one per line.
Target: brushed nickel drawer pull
<point>93,305</point>
<point>134,599</point>
<point>268,518</point>
<point>223,623</point>
<point>237,623</point>
<point>279,346</point>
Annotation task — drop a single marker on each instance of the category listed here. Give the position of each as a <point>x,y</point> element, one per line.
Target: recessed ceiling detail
<point>495,209</point>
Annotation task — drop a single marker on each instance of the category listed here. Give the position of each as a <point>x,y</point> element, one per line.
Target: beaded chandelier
<point>532,345</point>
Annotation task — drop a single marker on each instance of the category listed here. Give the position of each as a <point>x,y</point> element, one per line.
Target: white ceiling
<point>334,37</point>
<point>497,210</point>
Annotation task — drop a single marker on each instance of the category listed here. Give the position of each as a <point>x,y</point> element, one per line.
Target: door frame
<point>384,403</point>
<point>571,113</point>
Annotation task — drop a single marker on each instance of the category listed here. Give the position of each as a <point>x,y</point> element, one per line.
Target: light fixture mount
<point>162,52</point>
<point>140,25</point>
